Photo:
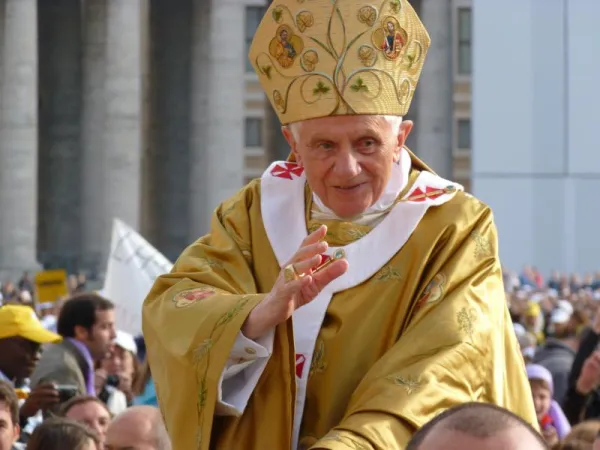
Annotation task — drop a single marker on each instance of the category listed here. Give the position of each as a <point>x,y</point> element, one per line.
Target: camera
<point>66,392</point>
<point>113,380</point>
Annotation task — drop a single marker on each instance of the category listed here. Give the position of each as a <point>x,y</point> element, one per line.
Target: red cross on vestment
<point>421,197</point>
<point>300,360</point>
<point>287,170</point>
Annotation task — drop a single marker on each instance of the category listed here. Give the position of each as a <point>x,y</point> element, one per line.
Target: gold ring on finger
<point>290,273</point>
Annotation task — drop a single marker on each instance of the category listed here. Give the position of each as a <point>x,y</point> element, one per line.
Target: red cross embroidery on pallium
<point>421,195</point>
<point>300,360</point>
<point>286,170</point>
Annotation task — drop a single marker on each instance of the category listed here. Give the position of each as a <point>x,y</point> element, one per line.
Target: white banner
<point>133,265</point>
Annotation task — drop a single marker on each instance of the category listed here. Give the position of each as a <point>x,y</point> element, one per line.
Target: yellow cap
<point>533,310</point>
<point>321,58</point>
<point>17,320</point>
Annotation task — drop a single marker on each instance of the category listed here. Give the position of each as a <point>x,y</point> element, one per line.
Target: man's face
<point>390,27</point>
<point>91,414</point>
<point>284,36</point>
<point>99,339</point>
<point>9,431</point>
<point>20,356</point>
<point>347,159</point>
<point>517,438</point>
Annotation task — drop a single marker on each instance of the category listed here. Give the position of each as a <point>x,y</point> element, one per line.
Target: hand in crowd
<point>100,376</point>
<point>590,374</point>
<point>42,397</point>
<point>286,297</point>
<point>596,322</point>
<point>550,436</point>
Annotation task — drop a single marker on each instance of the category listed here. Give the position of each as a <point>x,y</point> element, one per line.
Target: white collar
<point>397,182</point>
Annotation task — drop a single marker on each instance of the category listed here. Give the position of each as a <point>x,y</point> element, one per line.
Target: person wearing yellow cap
<point>21,336</point>
<point>350,294</point>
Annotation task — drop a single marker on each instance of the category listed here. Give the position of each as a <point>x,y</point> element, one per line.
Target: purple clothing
<point>89,377</point>
<point>559,420</point>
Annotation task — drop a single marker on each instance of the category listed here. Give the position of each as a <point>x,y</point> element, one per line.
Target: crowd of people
<point>69,379</point>
<point>91,387</point>
<point>557,323</point>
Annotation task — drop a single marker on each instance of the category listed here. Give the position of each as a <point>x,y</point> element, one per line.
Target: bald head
<point>477,426</point>
<point>139,427</point>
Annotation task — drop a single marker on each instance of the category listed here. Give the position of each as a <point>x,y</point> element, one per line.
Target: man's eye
<point>367,144</point>
<point>326,145</point>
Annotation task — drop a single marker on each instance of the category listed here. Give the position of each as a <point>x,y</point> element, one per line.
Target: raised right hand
<point>286,297</point>
<point>42,397</point>
<point>589,378</point>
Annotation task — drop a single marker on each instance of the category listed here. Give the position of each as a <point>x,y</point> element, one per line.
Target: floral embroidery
<point>410,384</point>
<point>482,245</point>
<point>318,364</point>
<point>212,263</point>
<point>388,273</point>
<point>189,297</point>
<point>356,233</point>
<point>466,318</point>
<point>433,292</point>
<point>202,350</point>
<point>202,359</point>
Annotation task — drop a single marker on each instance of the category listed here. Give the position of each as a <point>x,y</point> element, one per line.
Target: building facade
<point>536,160</point>
<point>149,111</point>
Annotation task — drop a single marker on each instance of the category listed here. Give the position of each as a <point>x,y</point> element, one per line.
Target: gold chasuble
<point>423,325</point>
<point>417,324</point>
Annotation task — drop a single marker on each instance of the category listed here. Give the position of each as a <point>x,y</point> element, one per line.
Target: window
<point>464,134</point>
<point>253,132</point>
<point>464,41</point>
<point>254,15</point>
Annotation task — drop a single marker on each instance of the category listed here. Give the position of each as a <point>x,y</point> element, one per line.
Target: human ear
<point>405,128</point>
<point>81,333</point>
<point>289,137</point>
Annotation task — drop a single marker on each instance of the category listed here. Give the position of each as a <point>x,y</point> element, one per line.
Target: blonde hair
<point>393,121</point>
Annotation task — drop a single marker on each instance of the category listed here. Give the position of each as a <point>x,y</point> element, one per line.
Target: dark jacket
<point>557,357</point>
<point>62,364</point>
<point>578,407</point>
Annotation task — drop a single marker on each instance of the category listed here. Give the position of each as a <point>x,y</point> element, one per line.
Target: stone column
<point>59,205</point>
<point>434,111</point>
<point>218,60</point>
<point>166,173</point>
<point>123,140</point>
<point>2,6</point>
<point>19,137</point>
<point>93,235</point>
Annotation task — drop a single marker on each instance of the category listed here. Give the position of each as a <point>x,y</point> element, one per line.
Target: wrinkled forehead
<point>345,125</point>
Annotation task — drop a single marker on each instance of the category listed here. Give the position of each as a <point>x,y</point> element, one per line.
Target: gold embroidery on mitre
<point>333,57</point>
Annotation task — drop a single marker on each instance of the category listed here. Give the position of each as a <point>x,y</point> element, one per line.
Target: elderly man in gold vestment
<point>349,295</point>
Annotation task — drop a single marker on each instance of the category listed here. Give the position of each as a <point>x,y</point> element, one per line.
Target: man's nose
<point>347,164</point>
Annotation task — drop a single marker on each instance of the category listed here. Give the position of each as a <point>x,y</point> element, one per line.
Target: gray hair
<point>394,121</point>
